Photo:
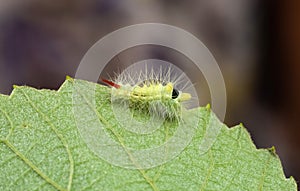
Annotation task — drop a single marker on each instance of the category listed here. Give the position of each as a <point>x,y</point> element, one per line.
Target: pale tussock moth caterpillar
<point>154,91</point>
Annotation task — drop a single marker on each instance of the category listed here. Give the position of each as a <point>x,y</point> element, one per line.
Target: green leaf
<point>42,149</point>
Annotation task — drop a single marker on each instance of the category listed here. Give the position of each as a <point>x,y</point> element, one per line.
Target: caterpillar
<point>149,92</point>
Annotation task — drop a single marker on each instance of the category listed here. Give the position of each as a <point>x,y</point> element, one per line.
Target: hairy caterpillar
<point>150,92</point>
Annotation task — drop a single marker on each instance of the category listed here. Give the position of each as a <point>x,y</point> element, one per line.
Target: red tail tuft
<point>110,83</point>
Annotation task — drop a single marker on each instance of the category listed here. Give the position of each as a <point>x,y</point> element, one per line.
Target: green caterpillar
<point>153,96</point>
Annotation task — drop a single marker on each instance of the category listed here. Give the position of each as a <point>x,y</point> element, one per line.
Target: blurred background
<point>256,43</point>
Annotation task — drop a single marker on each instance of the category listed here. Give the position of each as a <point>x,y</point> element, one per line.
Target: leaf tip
<point>208,106</point>
<point>15,86</point>
<point>242,125</point>
<point>272,150</point>
<point>69,78</point>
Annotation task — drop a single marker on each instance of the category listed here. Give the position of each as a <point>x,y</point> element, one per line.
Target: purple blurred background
<point>256,44</point>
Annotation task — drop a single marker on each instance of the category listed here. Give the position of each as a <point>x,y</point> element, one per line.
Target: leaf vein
<point>151,183</point>
<point>59,136</point>
<point>31,165</point>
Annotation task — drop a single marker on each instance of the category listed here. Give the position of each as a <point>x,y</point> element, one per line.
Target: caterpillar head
<point>175,94</point>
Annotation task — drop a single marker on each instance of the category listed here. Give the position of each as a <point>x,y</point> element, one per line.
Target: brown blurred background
<point>256,43</point>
